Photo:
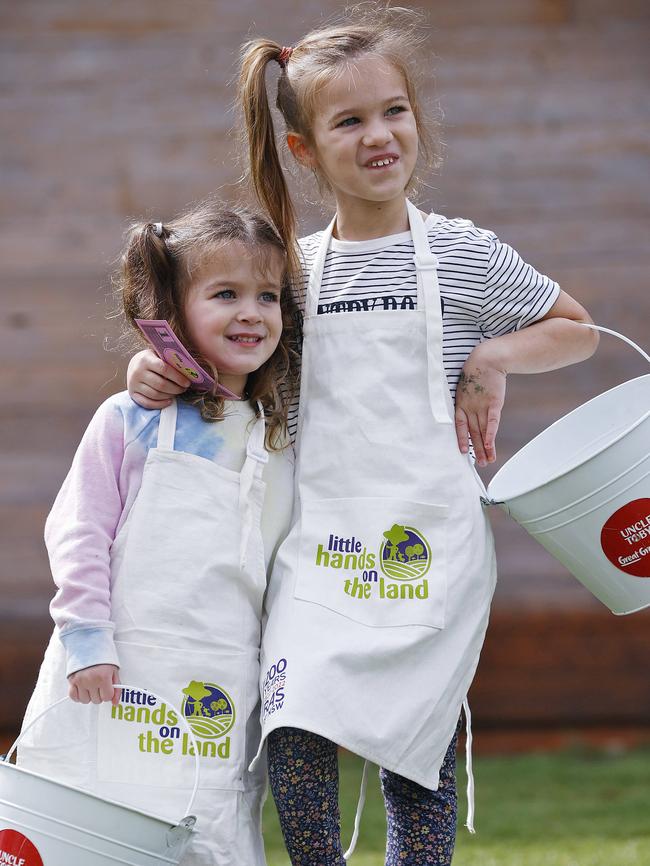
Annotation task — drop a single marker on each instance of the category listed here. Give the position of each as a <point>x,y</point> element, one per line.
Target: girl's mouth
<point>382,161</point>
<point>245,340</point>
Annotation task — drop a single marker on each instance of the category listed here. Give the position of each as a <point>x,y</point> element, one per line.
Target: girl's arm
<point>151,382</point>
<point>555,341</point>
<point>79,532</point>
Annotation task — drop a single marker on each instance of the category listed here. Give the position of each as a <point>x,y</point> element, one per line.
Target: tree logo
<point>208,709</point>
<point>405,553</point>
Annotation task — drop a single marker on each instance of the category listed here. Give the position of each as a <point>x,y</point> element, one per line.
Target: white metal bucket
<point>582,489</point>
<point>47,823</point>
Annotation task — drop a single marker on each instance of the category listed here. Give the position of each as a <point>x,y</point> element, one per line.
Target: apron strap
<point>316,273</point>
<point>357,817</point>
<point>256,459</point>
<point>426,266</point>
<point>468,767</point>
<point>167,427</point>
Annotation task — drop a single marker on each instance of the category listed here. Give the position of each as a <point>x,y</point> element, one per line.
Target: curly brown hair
<point>155,273</point>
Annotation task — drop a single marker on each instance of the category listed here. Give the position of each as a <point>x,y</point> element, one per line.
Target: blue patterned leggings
<point>304,778</point>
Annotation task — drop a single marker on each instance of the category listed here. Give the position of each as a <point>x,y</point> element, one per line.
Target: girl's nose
<point>249,312</point>
<point>376,134</point>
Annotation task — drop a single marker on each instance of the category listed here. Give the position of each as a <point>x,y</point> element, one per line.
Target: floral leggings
<point>304,778</point>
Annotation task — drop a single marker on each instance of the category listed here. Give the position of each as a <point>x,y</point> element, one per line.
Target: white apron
<point>188,579</point>
<point>380,595</point>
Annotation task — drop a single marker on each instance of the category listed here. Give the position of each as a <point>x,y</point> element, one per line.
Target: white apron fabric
<point>379,599</point>
<point>188,579</point>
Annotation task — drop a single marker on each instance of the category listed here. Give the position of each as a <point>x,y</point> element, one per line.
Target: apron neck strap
<point>316,273</point>
<point>256,459</point>
<point>425,261</point>
<point>426,268</point>
<point>256,445</point>
<point>167,426</point>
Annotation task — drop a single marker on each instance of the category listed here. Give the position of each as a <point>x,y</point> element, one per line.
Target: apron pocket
<point>142,742</point>
<point>380,562</point>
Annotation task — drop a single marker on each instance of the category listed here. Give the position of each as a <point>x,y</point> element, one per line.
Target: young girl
<point>379,598</point>
<point>160,538</point>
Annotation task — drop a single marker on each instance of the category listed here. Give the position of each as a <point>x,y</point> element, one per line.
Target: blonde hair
<point>155,273</point>
<point>392,33</point>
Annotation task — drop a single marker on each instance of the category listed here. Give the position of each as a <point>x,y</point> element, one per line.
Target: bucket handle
<point>485,500</point>
<point>197,766</point>
<point>620,336</point>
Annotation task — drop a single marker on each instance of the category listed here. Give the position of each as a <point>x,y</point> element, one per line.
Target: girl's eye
<point>226,294</point>
<point>396,109</point>
<point>270,297</point>
<point>349,121</point>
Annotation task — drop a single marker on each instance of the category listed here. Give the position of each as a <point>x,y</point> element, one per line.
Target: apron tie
<point>357,817</point>
<point>468,767</point>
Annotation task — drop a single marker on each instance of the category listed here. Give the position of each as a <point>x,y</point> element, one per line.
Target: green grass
<point>579,808</point>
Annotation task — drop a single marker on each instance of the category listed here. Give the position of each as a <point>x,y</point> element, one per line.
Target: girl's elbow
<point>591,337</point>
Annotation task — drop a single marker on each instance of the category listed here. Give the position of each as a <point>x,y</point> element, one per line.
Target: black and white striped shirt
<point>486,288</point>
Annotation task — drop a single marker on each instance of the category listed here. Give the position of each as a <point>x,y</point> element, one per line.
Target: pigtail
<point>147,274</point>
<point>265,169</point>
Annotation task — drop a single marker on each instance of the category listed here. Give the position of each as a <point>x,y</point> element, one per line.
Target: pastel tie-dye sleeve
<point>79,533</point>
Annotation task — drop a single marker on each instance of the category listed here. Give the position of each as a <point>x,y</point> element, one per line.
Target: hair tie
<point>284,55</point>
<point>158,229</point>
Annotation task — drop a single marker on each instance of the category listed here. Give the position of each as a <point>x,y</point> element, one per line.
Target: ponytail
<point>148,274</point>
<point>265,169</point>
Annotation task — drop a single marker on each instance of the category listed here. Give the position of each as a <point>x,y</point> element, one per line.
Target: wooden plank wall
<point>114,110</point>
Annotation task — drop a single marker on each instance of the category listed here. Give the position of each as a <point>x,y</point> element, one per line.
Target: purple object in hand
<point>167,346</point>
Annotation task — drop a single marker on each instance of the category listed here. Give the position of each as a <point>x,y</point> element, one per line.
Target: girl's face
<point>365,139</point>
<point>232,311</point>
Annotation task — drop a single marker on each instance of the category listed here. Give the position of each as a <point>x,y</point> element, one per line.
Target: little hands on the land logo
<point>153,726</point>
<point>403,557</point>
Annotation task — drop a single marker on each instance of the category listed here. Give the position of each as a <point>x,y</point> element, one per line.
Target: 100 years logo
<point>273,688</point>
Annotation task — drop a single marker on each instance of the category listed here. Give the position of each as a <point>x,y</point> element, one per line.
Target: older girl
<point>380,596</point>
<point>160,538</point>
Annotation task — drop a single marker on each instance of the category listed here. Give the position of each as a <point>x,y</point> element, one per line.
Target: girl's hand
<point>95,684</point>
<point>151,382</point>
<point>480,396</point>
<point>557,339</point>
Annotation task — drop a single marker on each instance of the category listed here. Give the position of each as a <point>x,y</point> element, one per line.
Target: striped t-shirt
<point>486,288</point>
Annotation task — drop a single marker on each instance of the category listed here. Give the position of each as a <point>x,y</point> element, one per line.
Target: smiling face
<point>232,310</point>
<point>364,134</point>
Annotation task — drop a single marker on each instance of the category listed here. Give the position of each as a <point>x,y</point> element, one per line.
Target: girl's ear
<point>300,150</point>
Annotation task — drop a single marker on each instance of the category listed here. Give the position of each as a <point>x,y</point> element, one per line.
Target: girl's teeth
<point>379,162</point>
<point>245,339</point>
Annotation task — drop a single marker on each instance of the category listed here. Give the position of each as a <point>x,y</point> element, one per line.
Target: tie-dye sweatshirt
<point>100,490</point>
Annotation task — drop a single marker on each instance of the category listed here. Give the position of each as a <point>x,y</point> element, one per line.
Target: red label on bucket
<point>17,850</point>
<point>625,538</point>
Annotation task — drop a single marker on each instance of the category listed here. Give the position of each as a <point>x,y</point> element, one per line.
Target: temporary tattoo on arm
<point>466,383</point>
